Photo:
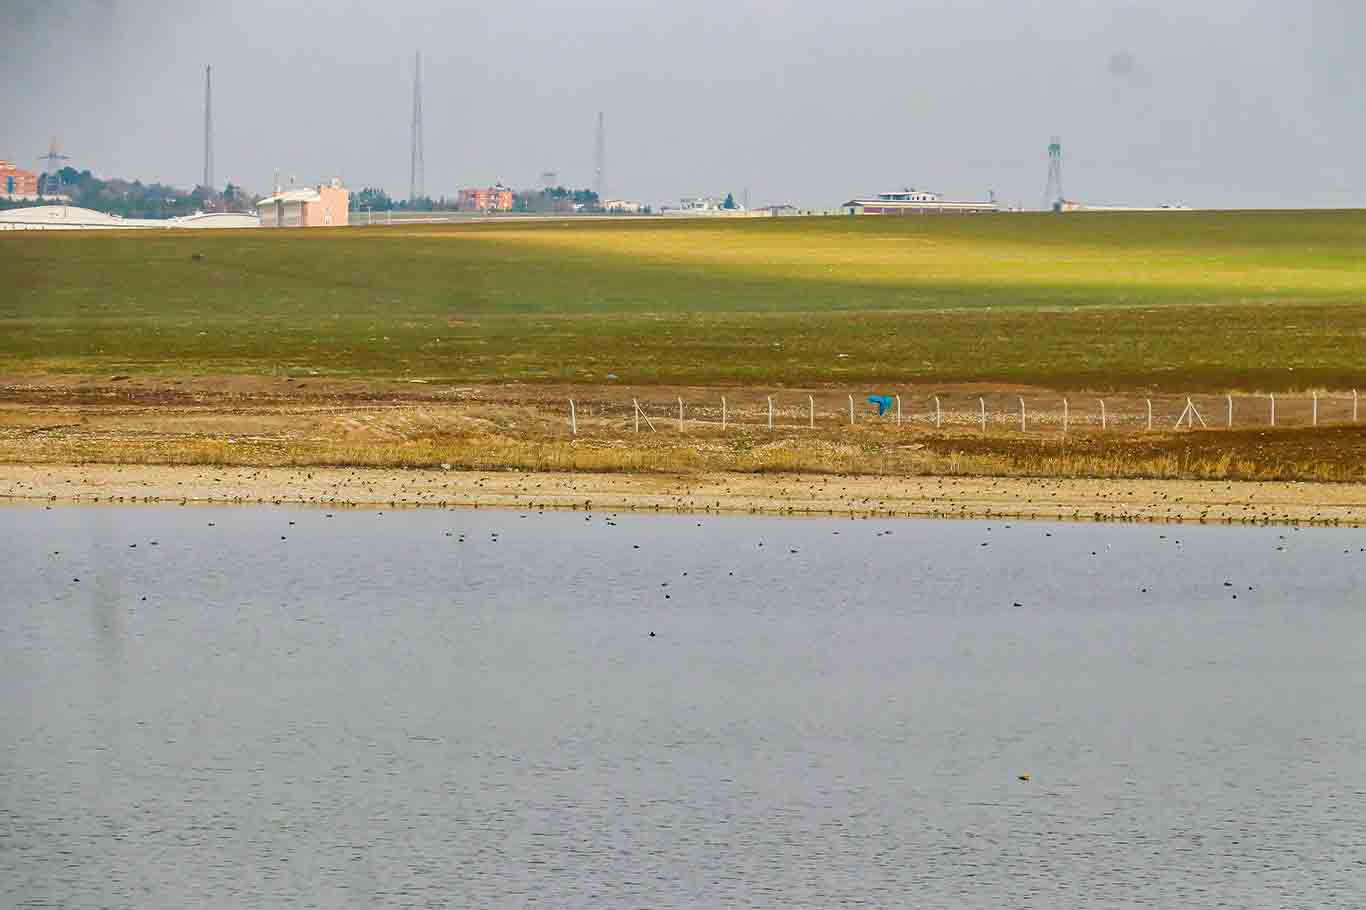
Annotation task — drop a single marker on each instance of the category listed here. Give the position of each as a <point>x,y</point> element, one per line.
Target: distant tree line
<point>548,200</point>
<point>135,199</point>
<point>376,200</point>
<point>556,199</point>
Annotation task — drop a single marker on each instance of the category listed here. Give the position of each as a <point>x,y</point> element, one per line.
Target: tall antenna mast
<point>52,180</point>
<point>1052,194</point>
<point>600,161</point>
<point>208,127</point>
<point>415,175</point>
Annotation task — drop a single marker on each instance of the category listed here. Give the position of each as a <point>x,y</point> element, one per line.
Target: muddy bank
<point>786,494</point>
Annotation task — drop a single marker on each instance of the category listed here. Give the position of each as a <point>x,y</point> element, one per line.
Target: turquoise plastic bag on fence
<point>883,402</point>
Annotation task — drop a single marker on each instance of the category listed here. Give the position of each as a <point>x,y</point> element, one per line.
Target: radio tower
<point>600,162</point>
<point>208,127</point>
<point>52,181</point>
<point>1052,194</point>
<point>415,174</point>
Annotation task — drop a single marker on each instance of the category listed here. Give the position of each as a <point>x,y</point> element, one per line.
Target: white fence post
<point>680,414</point>
<point>1104,421</point>
<point>983,403</point>
<point>573,419</point>
<point>1273,409</point>
<point>1316,409</point>
<point>1150,412</point>
<point>1064,416</point>
<point>851,410</point>
<point>1230,412</point>
<point>898,410</point>
<point>811,411</point>
<point>723,412</point>
<point>938,414</point>
<point>1022,414</point>
<point>639,414</point>
<point>1194,415</point>
<point>770,412</point>
<point>1354,405</point>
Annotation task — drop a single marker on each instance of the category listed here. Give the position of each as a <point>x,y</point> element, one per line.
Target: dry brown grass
<point>1202,456</point>
<point>151,425</point>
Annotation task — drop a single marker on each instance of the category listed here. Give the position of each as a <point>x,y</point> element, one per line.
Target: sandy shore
<point>791,494</point>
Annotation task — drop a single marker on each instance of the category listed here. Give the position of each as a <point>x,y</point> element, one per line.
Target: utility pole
<point>208,127</point>
<point>600,162</point>
<point>415,175</point>
<point>52,181</point>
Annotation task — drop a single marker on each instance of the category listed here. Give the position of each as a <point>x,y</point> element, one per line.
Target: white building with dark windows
<point>915,202</point>
<point>703,206</point>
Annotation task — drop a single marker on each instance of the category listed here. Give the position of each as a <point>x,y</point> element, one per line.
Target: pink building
<point>497,198</point>
<point>322,206</point>
<point>17,183</point>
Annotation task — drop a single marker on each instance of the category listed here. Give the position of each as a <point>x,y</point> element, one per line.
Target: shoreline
<point>796,495</point>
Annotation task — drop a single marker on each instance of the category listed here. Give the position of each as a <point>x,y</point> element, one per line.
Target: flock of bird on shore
<point>794,495</point>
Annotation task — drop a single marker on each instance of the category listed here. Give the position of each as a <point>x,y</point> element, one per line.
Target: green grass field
<point>1185,301</point>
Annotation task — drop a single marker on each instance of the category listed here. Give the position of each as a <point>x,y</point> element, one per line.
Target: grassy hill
<point>1191,301</point>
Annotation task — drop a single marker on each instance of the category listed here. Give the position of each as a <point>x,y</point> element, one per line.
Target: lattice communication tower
<point>1052,194</point>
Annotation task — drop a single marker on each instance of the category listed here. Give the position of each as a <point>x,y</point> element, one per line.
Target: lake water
<point>264,707</point>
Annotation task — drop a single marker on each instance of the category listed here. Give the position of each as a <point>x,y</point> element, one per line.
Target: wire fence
<point>993,412</point>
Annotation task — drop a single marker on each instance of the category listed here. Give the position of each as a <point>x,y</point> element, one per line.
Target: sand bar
<point>777,494</point>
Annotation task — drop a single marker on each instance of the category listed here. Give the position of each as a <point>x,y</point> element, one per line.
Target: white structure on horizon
<point>915,202</point>
<point>695,206</point>
<point>324,205</point>
<point>624,206</point>
<point>1069,205</point>
<point>74,218</point>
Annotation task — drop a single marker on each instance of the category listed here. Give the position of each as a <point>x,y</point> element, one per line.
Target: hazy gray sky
<point>1206,102</point>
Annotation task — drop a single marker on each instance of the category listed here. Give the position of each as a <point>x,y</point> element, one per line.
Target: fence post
<point>1273,409</point>
<point>851,410</point>
<point>573,419</point>
<point>1316,409</point>
<point>1354,405</point>
<point>639,413</point>
<point>723,412</point>
<point>811,410</point>
<point>898,410</point>
<point>1194,415</point>
<point>938,414</point>
<point>770,412</point>
<point>680,414</point>
<point>1022,414</point>
<point>983,403</point>
<point>1150,412</point>
<point>1104,421</point>
<point>1230,412</point>
<point>1064,416</point>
